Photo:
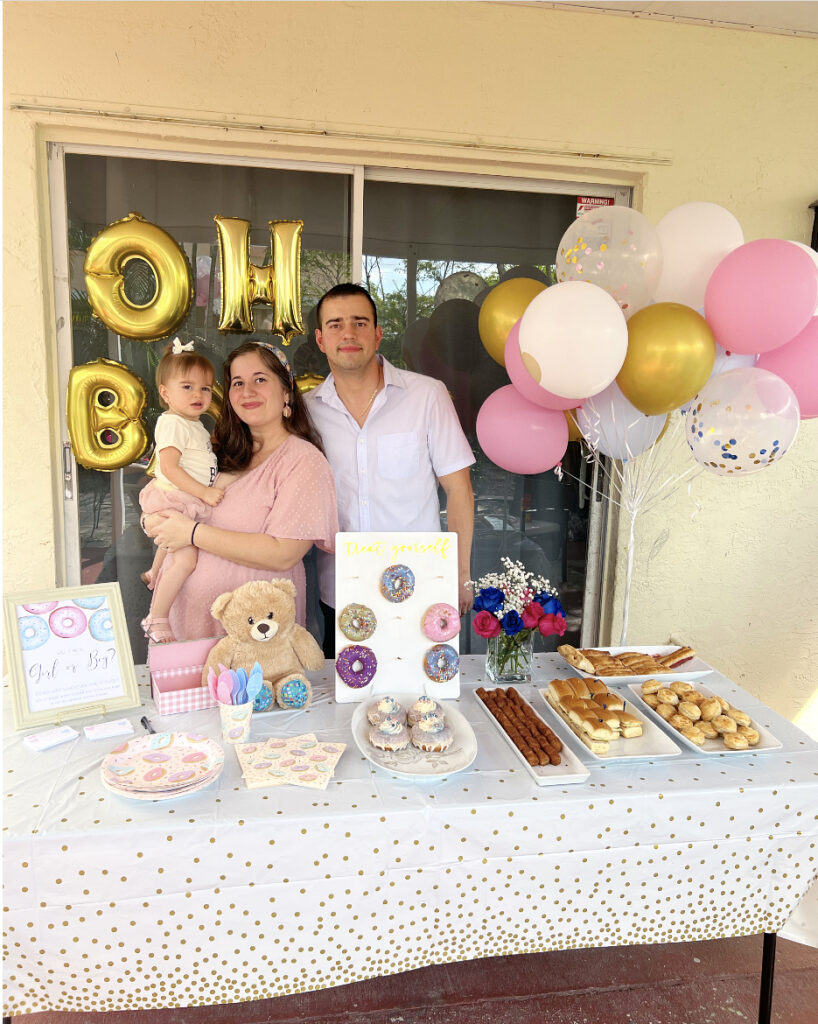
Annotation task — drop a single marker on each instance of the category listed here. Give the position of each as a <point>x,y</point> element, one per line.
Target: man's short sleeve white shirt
<point>386,472</point>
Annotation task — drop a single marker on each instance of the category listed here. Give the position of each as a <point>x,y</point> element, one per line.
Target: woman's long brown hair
<point>232,440</point>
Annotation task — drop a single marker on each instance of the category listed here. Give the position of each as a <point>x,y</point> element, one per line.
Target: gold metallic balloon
<point>245,285</point>
<point>501,309</point>
<point>307,381</point>
<point>104,410</point>
<point>214,410</point>
<point>108,255</point>
<point>671,352</point>
<point>574,433</point>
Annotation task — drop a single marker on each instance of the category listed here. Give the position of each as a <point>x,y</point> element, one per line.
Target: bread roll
<point>735,741</point>
<point>689,710</point>
<point>724,724</point>
<point>709,708</point>
<point>667,696</point>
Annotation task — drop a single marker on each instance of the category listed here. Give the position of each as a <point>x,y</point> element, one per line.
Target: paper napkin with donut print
<point>292,760</point>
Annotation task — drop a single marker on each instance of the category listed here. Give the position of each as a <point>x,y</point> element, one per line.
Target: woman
<point>279,493</point>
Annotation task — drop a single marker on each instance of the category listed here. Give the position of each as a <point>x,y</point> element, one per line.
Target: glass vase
<point>509,659</point>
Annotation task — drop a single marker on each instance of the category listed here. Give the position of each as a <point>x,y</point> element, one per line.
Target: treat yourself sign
<point>371,570</point>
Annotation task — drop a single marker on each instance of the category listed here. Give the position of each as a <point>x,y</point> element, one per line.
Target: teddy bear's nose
<point>263,627</point>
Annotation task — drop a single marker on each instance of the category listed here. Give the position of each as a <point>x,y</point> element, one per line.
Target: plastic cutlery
<point>241,695</point>
<point>254,683</point>
<point>212,684</point>
<point>225,687</point>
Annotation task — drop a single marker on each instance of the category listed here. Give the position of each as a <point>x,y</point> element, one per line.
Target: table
<point>229,894</point>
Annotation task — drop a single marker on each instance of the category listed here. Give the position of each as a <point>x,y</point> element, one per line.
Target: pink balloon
<point>525,383</point>
<point>520,436</point>
<point>797,364</point>
<point>761,295</point>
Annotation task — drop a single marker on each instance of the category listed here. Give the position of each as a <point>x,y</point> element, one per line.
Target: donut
<point>441,622</point>
<point>67,622</point>
<point>33,632</point>
<point>181,776</point>
<point>389,734</point>
<point>41,609</point>
<point>264,699</point>
<point>100,626</point>
<point>356,665</point>
<point>89,602</point>
<point>154,774</point>
<point>357,622</point>
<point>397,583</point>
<point>431,733</point>
<point>441,663</point>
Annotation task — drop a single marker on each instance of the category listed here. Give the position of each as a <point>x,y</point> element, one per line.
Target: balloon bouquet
<point>680,329</point>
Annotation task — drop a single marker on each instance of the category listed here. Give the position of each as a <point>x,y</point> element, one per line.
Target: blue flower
<point>551,606</point>
<point>512,623</point>
<point>490,599</point>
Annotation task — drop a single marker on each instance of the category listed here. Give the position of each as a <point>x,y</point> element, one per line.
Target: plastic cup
<point>236,720</point>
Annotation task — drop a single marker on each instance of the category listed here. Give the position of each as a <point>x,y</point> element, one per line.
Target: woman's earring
<point>286,412</point>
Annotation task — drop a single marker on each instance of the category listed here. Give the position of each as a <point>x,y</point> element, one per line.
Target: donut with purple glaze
<point>397,583</point>
<point>356,666</point>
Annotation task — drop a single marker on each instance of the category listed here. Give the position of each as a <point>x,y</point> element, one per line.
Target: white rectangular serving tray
<point>654,743</point>
<point>690,670</point>
<point>766,739</point>
<point>570,769</point>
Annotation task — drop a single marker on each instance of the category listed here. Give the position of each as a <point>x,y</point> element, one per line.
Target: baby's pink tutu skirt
<point>154,499</point>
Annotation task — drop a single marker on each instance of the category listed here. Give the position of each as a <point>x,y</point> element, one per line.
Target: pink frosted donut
<point>67,622</point>
<point>441,622</point>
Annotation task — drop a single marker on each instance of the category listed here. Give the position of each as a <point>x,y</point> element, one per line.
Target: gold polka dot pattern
<point>230,895</point>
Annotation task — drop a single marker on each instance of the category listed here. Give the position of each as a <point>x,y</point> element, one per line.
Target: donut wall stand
<point>396,621</point>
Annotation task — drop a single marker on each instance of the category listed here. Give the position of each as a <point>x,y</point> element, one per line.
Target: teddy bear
<point>259,618</point>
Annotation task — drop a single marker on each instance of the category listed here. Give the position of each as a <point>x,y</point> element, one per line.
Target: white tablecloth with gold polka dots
<point>229,894</point>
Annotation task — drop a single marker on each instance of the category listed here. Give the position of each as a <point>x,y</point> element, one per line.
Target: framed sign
<point>68,654</point>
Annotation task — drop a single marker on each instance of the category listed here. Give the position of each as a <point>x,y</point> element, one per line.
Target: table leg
<point>765,1003</point>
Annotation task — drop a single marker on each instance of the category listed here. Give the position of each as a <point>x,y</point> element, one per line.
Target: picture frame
<point>68,654</point>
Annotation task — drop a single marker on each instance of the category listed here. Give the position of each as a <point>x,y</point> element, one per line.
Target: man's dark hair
<point>342,290</point>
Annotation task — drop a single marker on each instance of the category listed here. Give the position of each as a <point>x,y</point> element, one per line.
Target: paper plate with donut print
<point>766,740</point>
<point>411,762</point>
<point>162,765</point>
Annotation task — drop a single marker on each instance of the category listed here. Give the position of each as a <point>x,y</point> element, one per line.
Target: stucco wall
<point>680,112</point>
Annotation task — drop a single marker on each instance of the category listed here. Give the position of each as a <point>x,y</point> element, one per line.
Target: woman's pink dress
<point>291,495</point>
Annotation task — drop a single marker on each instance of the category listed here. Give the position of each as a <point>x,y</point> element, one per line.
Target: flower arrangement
<point>510,606</point>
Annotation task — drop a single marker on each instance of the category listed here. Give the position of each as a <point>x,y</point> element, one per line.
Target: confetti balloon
<point>617,249</point>
<point>742,421</point>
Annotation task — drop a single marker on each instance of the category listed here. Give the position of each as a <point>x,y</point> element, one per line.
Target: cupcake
<point>423,706</point>
<point>389,734</point>
<point>431,733</point>
<point>379,709</point>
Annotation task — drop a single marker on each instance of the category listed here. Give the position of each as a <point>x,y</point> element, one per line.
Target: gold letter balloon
<point>671,352</point>
<point>110,252</point>
<point>104,408</point>
<point>244,285</point>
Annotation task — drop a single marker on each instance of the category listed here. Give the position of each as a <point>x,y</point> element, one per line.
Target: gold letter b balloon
<point>671,352</point>
<point>104,408</point>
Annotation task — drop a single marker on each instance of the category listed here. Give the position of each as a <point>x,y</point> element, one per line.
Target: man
<point>391,436</point>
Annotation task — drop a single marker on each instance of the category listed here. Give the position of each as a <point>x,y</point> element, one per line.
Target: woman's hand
<point>170,530</point>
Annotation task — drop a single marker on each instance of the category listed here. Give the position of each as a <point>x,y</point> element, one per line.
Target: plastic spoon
<point>225,688</point>
<point>212,683</point>
<point>241,695</point>
<point>254,683</point>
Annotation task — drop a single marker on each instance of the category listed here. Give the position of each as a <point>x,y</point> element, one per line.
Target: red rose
<point>532,613</point>
<point>485,624</point>
<point>552,625</point>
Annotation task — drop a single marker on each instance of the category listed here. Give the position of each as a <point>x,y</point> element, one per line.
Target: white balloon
<point>616,248</point>
<point>573,339</point>
<point>695,238</point>
<point>742,421</point>
<point>616,428</point>
<point>730,361</point>
<point>813,255</point>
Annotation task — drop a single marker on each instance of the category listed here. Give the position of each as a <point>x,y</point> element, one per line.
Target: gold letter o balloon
<point>671,352</point>
<point>104,409</point>
<point>108,255</point>
<point>501,309</point>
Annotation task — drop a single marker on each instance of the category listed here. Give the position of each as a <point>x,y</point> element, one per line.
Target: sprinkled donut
<point>99,625</point>
<point>441,662</point>
<point>397,583</point>
<point>293,694</point>
<point>356,665</point>
<point>264,699</point>
<point>357,622</point>
<point>379,709</point>
<point>423,706</point>
<point>441,622</point>
<point>67,622</point>
<point>33,631</point>
<point>41,609</point>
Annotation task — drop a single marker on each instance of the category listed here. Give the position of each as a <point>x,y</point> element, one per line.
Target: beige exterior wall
<point>680,112</point>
